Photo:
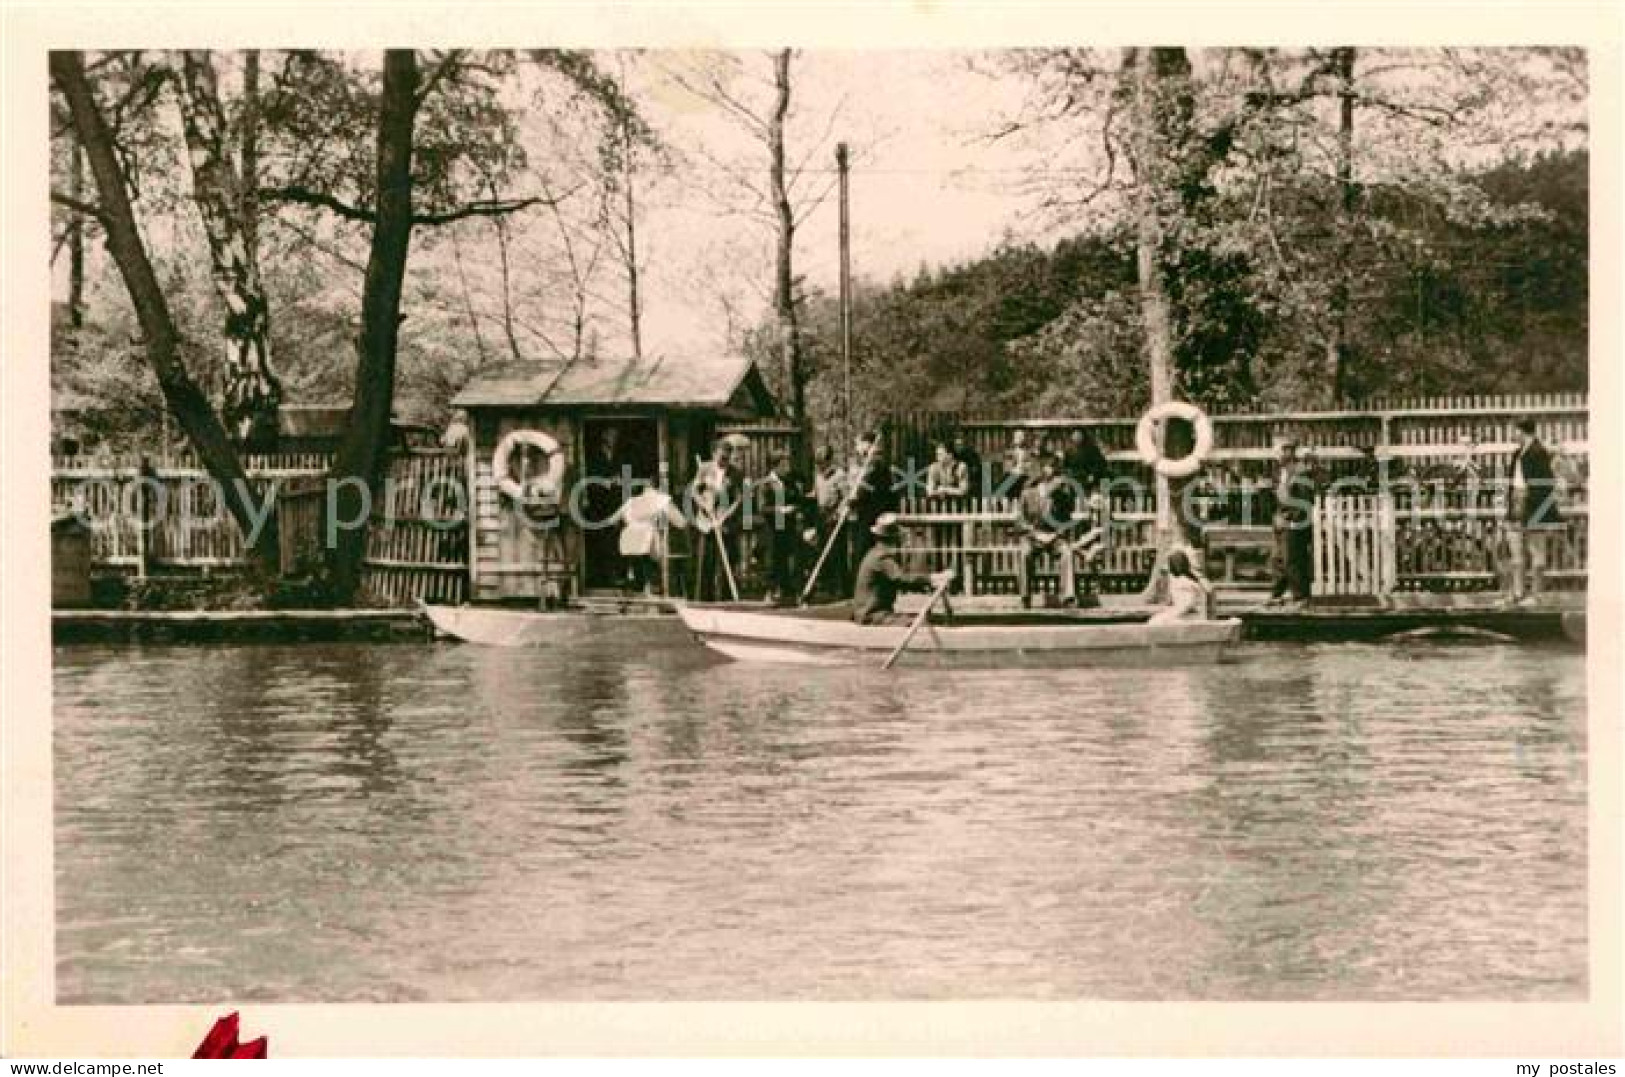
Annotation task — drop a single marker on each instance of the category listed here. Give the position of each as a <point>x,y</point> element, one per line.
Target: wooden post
<point>841,165</point>
<point>471,505</point>
<point>663,447</point>
<point>143,518</point>
<point>1387,537</point>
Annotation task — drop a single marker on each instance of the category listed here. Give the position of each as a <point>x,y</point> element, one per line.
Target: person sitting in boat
<point>646,518</point>
<point>881,575</point>
<point>1190,597</point>
<point>947,476</point>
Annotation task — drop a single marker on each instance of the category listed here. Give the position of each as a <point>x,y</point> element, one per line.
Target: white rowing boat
<point>494,626</point>
<point>976,640</point>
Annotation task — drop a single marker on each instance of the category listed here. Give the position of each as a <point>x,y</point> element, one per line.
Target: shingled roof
<point>733,385</point>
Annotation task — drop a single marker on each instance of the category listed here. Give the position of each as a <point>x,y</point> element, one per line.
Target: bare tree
<point>762,106</point>
<point>161,338</point>
<point>361,452</point>
<point>226,191</point>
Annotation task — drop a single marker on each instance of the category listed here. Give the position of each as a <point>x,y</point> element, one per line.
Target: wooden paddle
<point>839,529</point>
<point>919,619</point>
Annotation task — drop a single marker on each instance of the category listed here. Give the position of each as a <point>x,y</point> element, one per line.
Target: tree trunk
<point>252,392</point>
<point>784,299</point>
<point>76,239</point>
<point>1337,341</point>
<point>634,301</point>
<point>362,454</point>
<point>1157,127</point>
<point>1155,314</point>
<point>162,340</point>
<point>628,243</point>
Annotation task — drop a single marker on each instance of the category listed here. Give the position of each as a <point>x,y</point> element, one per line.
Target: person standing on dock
<point>967,455</point>
<point>1293,560</point>
<point>1531,512</point>
<point>714,498</point>
<point>646,519</point>
<point>831,481</point>
<point>1018,464</point>
<point>873,493</point>
<point>784,502</point>
<point>881,576</point>
<point>947,476</point>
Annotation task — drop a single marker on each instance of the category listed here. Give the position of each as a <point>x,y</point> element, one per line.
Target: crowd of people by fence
<point>783,526</point>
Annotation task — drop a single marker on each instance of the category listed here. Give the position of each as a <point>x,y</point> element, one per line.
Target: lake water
<point>621,818</point>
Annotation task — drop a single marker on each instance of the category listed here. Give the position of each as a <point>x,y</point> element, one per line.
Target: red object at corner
<point>221,1042</point>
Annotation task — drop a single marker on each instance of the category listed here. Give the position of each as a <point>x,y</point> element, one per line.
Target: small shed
<point>303,428</point>
<point>611,420</point>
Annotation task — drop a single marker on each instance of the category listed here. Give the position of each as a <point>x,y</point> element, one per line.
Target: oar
<point>919,619</point>
<point>727,569</point>
<point>838,529</point>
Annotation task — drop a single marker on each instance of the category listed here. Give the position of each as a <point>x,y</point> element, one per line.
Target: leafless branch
<point>447,65</point>
<point>715,92</point>
<point>493,207</point>
<point>86,208</point>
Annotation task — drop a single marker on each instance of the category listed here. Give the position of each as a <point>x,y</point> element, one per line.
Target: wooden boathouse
<point>606,419</point>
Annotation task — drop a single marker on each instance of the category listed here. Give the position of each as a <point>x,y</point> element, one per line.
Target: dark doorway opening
<point>622,455</point>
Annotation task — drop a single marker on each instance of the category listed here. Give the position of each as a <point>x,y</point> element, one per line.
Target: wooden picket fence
<point>1354,546</point>
<point>978,539</point>
<point>417,545</point>
<point>165,514</point>
<point>1391,543</point>
<point>144,516</point>
<point>1405,436</point>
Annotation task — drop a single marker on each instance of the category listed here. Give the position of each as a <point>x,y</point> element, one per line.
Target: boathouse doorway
<point>619,456</point>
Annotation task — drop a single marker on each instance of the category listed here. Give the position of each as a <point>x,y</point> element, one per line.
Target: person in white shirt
<point>646,519</point>
<point>1190,598</point>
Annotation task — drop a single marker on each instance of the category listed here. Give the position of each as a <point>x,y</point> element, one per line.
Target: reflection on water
<point>618,817</point>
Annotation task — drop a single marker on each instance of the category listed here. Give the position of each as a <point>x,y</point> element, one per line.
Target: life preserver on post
<point>1145,438</point>
<point>548,486</point>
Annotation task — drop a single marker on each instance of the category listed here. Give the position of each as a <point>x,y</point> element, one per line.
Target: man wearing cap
<point>881,575</point>
<point>1294,526</point>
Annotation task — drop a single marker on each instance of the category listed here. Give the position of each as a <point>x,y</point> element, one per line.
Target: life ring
<point>549,487</point>
<point>1145,438</point>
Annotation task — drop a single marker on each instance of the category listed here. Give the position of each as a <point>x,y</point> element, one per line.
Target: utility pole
<point>846,291</point>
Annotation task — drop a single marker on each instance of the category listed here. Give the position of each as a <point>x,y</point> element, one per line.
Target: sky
<point>927,188</point>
